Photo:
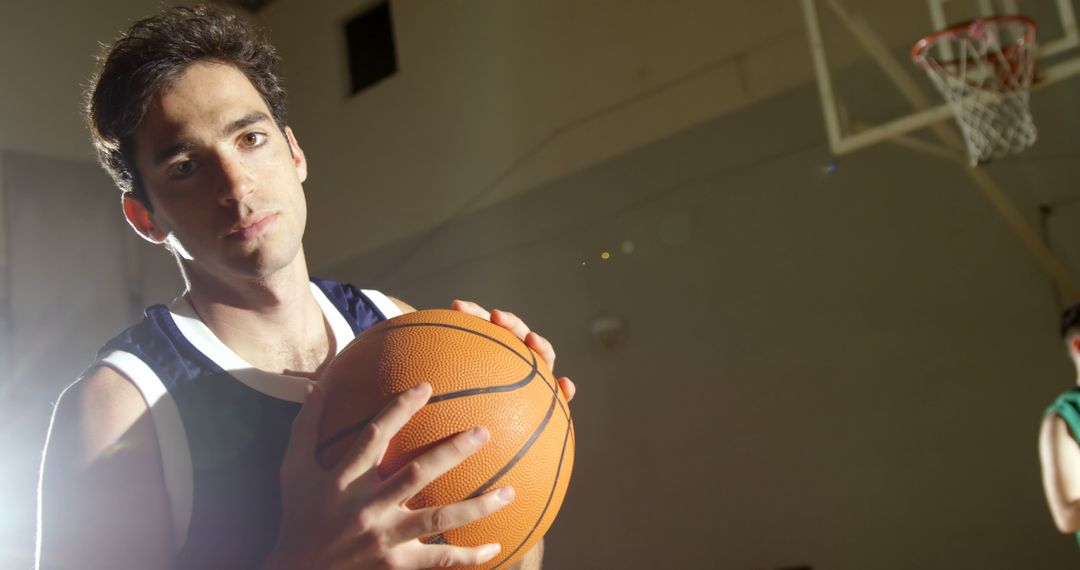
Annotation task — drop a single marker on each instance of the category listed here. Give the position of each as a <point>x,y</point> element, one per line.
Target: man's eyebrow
<point>245,121</point>
<point>172,150</point>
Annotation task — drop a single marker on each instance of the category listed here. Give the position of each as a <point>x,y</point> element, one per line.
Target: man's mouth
<point>252,226</point>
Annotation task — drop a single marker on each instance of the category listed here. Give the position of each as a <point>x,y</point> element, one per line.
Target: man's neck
<point>274,322</point>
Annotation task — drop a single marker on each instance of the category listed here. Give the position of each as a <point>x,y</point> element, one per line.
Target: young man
<point>185,444</point>
<point>1058,449</point>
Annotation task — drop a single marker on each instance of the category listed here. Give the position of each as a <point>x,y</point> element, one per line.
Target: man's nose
<point>236,181</point>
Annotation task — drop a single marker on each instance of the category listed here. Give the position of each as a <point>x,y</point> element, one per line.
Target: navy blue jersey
<point>222,424</point>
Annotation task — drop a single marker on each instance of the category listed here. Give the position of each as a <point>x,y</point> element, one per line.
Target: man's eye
<point>182,169</point>
<point>254,139</point>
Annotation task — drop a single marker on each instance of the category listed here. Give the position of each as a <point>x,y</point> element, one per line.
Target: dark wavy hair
<point>154,52</point>
<point>1070,319</point>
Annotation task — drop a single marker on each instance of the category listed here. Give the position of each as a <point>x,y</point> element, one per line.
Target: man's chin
<point>262,263</point>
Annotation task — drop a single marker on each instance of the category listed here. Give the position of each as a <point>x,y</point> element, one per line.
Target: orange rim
<point>919,51</point>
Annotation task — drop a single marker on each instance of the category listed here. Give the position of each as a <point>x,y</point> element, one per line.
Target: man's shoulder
<point>104,388</point>
<point>102,392</point>
<point>98,408</point>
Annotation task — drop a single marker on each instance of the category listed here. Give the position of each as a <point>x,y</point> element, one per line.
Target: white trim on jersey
<point>388,308</point>
<point>172,439</point>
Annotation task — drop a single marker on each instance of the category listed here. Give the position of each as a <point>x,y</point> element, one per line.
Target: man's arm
<point>1060,458</point>
<point>102,501</point>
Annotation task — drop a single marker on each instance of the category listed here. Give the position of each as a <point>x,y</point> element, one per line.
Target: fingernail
<point>419,388</point>
<point>505,495</point>
<point>490,551</point>
<point>479,435</point>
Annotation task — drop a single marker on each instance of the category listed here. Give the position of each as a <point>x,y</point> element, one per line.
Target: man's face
<point>224,185</point>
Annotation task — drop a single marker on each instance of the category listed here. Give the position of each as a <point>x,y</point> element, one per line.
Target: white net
<point>984,69</point>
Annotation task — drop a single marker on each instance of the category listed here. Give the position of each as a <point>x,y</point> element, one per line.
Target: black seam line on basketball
<point>531,361</point>
<point>349,430</point>
<point>462,329</point>
<point>554,387</point>
<point>486,390</point>
<point>547,505</point>
<point>521,453</point>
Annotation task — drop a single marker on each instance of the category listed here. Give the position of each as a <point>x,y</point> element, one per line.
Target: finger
<point>370,445</point>
<point>568,388</point>
<point>542,347</point>
<point>305,430</point>
<point>435,520</point>
<point>510,322</point>
<point>471,308</point>
<point>443,555</point>
<point>408,480</point>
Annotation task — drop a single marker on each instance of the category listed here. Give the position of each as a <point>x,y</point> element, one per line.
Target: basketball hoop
<point>984,69</point>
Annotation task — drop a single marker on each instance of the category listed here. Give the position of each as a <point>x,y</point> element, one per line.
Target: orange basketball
<point>481,375</point>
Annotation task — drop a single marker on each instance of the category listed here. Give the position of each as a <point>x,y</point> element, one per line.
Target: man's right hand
<point>349,517</point>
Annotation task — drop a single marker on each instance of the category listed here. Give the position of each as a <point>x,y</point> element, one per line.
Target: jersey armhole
<point>172,439</point>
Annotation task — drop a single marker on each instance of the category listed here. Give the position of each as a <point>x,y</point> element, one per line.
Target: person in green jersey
<point>1059,452</point>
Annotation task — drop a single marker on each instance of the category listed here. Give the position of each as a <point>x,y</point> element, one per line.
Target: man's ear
<point>299,160</point>
<point>140,219</point>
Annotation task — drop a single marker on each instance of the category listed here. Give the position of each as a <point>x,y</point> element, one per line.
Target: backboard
<point>846,33</point>
<point>871,92</point>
